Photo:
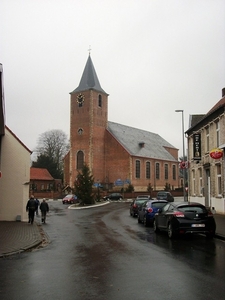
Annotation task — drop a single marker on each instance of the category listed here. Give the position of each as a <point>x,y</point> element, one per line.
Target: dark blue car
<point>147,211</point>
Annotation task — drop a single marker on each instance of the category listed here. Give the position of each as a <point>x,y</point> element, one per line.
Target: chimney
<point>223,92</point>
<point>142,144</point>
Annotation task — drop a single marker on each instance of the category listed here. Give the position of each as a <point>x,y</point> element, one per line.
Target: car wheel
<point>170,231</point>
<point>120,198</point>
<point>145,221</point>
<point>155,228</point>
<point>139,220</point>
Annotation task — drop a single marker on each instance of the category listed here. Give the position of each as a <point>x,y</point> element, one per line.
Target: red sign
<point>216,153</point>
<point>184,164</point>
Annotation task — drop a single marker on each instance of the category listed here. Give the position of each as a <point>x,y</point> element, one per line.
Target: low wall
<point>217,203</point>
<point>46,195</point>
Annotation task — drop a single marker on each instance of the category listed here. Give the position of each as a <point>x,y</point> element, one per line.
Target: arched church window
<point>80,159</point>
<point>80,131</point>
<point>100,100</point>
<point>138,169</point>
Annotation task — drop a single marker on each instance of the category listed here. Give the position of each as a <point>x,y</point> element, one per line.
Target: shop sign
<point>216,153</point>
<point>197,146</point>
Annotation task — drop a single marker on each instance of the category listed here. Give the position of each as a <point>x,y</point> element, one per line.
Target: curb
<point>26,248</point>
<point>219,237</point>
<point>73,206</point>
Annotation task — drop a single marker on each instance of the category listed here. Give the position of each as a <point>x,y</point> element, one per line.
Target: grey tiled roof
<point>89,79</point>
<point>131,138</point>
<point>195,119</point>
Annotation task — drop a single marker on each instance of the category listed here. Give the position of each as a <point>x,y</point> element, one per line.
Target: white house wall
<point>14,183</point>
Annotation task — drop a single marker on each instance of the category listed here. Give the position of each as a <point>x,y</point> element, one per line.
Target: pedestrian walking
<point>44,209</point>
<point>31,208</point>
<point>38,204</point>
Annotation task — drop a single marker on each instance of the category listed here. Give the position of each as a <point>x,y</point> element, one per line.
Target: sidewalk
<point>16,237</point>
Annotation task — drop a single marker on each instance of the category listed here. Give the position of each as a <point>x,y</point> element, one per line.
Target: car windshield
<point>158,204</point>
<point>192,208</point>
<point>69,196</point>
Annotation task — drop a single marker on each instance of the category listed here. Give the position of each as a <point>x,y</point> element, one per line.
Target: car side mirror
<point>159,210</point>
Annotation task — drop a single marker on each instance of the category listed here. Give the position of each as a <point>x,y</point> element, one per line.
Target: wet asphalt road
<point>103,253</point>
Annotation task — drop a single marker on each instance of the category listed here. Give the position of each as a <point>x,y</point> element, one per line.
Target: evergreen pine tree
<point>83,186</point>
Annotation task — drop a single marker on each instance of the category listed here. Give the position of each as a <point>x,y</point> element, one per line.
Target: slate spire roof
<point>89,79</point>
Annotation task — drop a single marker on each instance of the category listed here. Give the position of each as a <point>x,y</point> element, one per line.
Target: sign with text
<point>197,146</point>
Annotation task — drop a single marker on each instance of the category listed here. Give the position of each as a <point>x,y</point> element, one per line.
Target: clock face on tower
<point>80,98</point>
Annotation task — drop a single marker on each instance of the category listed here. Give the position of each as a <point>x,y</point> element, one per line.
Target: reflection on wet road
<point>103,253</point>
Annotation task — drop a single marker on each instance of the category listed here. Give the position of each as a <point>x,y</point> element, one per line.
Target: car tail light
<point>210,214</point>
<point>178,214</point>
<point>150,210</point>
<point>135,205</point>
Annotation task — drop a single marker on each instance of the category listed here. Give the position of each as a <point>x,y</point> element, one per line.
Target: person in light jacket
<point>44,208</point>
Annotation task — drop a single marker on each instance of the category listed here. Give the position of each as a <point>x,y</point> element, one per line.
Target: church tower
<point>88,123</point>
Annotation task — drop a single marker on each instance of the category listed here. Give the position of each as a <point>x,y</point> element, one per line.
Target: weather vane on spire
<point>89,50</point>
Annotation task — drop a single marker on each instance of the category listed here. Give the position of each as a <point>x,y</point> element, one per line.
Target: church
<point>116,154</point>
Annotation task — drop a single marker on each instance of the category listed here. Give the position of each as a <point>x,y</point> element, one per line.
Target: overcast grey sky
<point>151,56</point>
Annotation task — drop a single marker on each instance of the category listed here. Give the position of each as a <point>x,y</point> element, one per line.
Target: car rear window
<point>139,201</point>
<point>162,194</point>
<point>158,204</point>
<point>193,208</point>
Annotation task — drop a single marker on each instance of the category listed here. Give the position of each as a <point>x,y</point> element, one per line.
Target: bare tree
<point>53,144</point>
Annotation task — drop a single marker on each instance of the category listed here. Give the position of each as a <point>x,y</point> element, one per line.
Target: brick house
<point>116,154</point>
<point>206,135</point>
<point>43,185</point>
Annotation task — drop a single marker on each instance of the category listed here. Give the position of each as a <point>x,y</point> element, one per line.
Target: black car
<point>165,196</point>
<point>185,218</point>
<point>113,196</point>
<point>135,204</point>
<point>147,211</point>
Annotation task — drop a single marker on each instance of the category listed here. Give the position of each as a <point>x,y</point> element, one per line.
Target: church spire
<point>89,79</point>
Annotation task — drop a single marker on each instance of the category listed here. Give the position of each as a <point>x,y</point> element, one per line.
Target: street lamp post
<point>181,110</point>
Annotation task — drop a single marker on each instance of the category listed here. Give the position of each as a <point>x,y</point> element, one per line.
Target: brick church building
<point>116,154</point>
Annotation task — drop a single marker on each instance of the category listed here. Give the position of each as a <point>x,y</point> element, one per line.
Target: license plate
<point>198,225</point>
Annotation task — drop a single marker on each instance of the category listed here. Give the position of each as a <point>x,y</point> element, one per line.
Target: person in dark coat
<point>44,209</point>
<point>31,208</point>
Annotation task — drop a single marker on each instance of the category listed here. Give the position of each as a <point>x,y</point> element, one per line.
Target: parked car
<point>165,196</point>
<point>113,196</point>
<point>185,218</point>
<point>70,199</point>
<point>146,197</point>
<point>135,204</point>
<point>147,211</point>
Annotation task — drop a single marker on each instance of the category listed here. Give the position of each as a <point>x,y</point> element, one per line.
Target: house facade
<point>206,145</point>
<point>14,170</point>
<point>116,154</point>
<point>43,185</point>
<point>14,182</point>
